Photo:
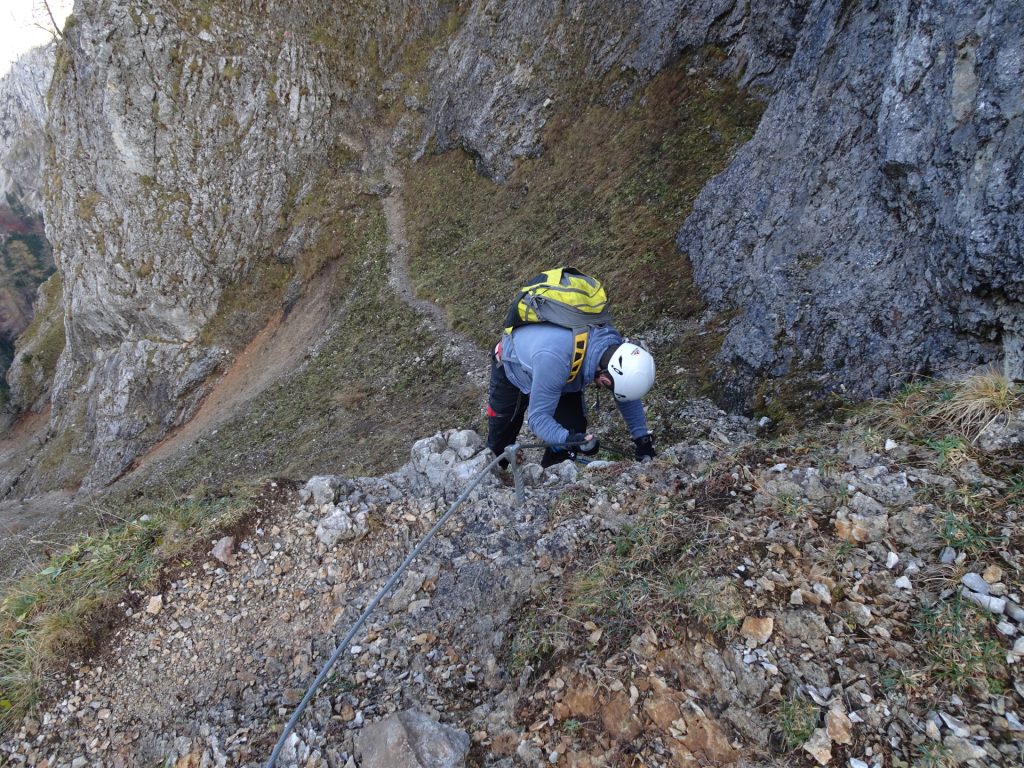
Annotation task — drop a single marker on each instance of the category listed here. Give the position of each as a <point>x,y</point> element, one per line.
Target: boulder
<point>410,739</point>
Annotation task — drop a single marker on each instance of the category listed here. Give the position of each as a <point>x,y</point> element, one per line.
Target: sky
<point>19,26</point>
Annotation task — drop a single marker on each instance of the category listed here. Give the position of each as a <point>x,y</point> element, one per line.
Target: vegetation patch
<point>960,647</point>
<point>41,344</point>
<point>945,415</point>
<point>64,610</point>
<point>377,381</point>
<point>246,304</point>
<point>796,718</point>
<point>706,559</point>
<point>655,571</point>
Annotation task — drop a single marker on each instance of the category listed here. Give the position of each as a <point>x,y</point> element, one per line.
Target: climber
<point>530,370</point>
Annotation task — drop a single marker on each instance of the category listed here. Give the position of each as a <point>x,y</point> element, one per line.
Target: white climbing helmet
<point>632,371</point>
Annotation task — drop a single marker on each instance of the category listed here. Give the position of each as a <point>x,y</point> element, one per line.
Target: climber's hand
<point>586,444</point>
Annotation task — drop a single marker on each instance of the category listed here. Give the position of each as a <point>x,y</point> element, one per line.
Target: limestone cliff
<point>22,127</point>
<point>184,139</point>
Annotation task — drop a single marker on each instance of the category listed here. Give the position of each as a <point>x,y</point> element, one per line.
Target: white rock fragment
<point>320,490</point>
<point>463,438</point>
<point>343,524</point>
<point>962,751</point>
<point>892,560</point>
<point>823,593</point>
<point>223,550</point>
<point>975,582</point>
<point>956,726</point>
<point>1014,721</point>
<point>1014,611</point>
<point>891,445</point>
<point>155,605</point>
<point>1006,628</point>
<point>903,583</point>
<point>991,604</point>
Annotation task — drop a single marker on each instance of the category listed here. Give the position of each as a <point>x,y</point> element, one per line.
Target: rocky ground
<point>736,601</point>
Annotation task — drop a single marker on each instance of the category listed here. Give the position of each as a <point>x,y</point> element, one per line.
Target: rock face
<point>872,228</point>
<point>26,258</point>
<point>189,127</point>
<point>509,62</point>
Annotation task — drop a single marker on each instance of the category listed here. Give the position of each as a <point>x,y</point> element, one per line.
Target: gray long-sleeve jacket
<point>536,359</point>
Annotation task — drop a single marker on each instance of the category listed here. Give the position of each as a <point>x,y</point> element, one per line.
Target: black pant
<point>507,408</point>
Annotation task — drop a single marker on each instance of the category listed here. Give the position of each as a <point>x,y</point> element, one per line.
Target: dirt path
<point>470,357</point>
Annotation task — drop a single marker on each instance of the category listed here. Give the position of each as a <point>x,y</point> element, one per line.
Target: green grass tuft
<point>960,647</point>
<point>796,718</point>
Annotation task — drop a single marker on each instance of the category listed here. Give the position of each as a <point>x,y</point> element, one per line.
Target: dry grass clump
<point>930,410</point>
<point>976,402</point>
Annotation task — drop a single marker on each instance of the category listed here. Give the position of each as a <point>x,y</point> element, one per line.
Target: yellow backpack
<point>565,297</point>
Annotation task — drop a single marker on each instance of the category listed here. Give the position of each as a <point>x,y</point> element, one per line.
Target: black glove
<point>644,447</point>
<point>579,442</point>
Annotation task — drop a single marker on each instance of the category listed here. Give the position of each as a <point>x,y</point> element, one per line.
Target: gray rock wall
<point>872,227</point>
<point>186,137</point>
<point>510,62</point>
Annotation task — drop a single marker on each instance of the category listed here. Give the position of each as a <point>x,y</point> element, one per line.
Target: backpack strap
<point>579,351</point>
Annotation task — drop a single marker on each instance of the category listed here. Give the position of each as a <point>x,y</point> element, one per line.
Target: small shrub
<point>976,402</point>
<point>790,505</point>
<point>933,754</point>
<point>952,450</point>
<point>934,410</point>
